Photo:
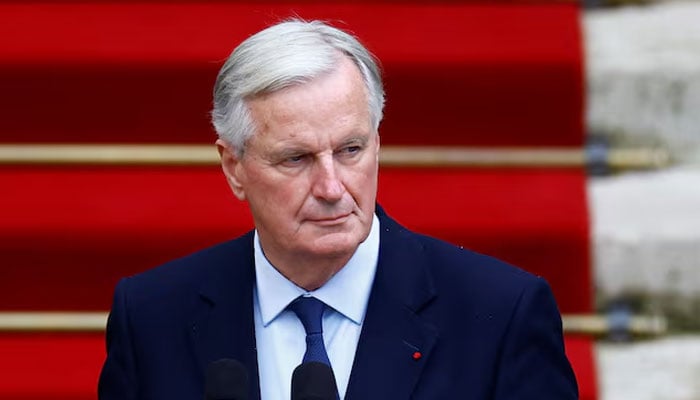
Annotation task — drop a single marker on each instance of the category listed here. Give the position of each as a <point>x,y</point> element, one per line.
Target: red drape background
<point>457,73</point>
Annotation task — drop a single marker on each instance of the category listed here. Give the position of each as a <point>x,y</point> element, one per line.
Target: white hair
<point>289,53</point>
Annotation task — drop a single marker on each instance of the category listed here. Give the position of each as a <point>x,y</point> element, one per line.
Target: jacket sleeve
<point>533,363</point>
<point>118,379</point>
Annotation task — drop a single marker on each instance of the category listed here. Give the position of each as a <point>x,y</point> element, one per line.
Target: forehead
<point>334,101</point>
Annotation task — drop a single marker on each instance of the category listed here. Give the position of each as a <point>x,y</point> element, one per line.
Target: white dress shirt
<point>280,336</point>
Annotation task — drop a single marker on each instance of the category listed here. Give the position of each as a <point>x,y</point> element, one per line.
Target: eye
<point>350,150</point>
<point>294,160</point>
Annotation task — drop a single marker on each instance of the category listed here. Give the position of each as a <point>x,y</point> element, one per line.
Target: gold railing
<point>53,321</point>
<point>390,156</point>
<point>32,322</point>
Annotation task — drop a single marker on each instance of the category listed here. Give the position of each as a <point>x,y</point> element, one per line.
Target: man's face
<point>309,173</point>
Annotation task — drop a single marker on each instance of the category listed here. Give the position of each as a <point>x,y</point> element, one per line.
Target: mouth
<point>330,221</point>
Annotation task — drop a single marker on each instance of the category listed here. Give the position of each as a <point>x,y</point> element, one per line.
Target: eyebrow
<point>295,149</point>
<point>357,139</point>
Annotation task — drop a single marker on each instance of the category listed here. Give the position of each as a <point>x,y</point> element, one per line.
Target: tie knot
<point>309,310</point>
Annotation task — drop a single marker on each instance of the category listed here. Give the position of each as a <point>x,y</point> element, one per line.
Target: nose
<point>327,184</point>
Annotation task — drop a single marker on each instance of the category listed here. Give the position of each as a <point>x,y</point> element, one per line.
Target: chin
<point>336,244</point>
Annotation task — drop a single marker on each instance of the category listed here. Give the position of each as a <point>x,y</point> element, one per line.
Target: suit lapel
<point>395,341</point>
<point>222,323</point>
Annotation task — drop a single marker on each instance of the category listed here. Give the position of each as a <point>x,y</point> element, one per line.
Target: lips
<point>332,220</point>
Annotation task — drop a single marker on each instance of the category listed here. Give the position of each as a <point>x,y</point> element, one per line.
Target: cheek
<point>268,185</point>
<point>362,184</point>
<point>276,208</point>
<point>284,197</point>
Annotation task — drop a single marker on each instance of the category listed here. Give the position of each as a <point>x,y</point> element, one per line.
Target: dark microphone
<point>314,381</point>
<point>226,380</point>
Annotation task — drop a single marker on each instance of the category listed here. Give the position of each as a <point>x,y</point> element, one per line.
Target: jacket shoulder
<point>189,273</point>
<point>450,258</point>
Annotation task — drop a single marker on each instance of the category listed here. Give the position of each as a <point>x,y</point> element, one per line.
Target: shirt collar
<point>347,291</point>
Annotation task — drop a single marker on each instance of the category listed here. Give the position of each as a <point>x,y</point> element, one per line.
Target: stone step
<point>643,74</point>
<point>646,242</point>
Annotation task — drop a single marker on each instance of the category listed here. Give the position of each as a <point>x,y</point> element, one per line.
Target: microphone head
<point>226,379</point>
<point>314,381</point>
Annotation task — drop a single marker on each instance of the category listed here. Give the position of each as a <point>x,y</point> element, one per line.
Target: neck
<point>310,272</point>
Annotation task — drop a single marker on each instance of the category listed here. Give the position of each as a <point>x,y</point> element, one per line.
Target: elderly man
<point>397,315</point>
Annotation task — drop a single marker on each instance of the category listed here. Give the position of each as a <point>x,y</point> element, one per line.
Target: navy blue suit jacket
<point>484,329</point>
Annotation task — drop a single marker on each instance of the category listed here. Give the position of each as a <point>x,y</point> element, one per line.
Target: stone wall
<point>643,73</point>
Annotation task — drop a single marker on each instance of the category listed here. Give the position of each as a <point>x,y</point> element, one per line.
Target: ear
<point>232,168</point>
<point>376,137</point>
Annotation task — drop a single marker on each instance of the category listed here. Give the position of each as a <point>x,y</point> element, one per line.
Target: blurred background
<point>643,89</point>
<point>562,137</point>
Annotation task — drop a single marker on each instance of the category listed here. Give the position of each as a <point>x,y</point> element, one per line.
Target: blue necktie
<point>309,310</point>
